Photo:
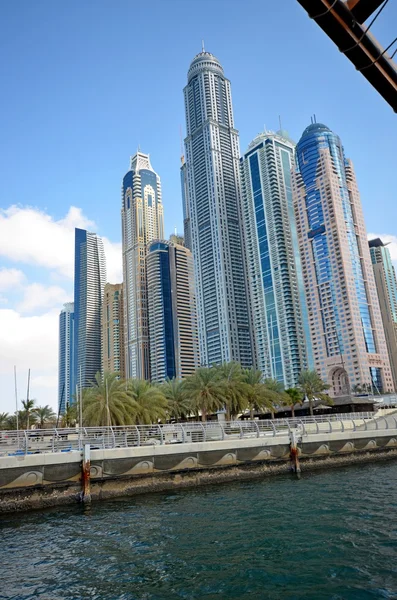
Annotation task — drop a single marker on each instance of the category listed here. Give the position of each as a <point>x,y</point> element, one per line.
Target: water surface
<point>329,535</point>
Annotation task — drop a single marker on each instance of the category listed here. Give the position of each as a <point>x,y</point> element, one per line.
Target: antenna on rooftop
<point>202,46</point>
<point>315,120</point>
<point>279,122</point>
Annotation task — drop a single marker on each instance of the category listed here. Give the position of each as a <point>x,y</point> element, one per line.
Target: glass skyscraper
<point>282,347</point>
<point>212,218</point>
<point>348,340</point>
<point>386,285</point>
<point>142,222</point>
<point>112,329</point>
<point>89,283</point>
<point>66,381</point>
<point>172,311</point>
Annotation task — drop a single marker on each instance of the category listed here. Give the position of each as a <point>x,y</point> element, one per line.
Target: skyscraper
<point>279,316</point>
<point>386,285</point>
<point>212,214</point>
<point>66,381</point>
<point>348,341</point>
<point>173,332</point>
<point>142,222</point>
<point>89,283</point>
<point>112,328</point>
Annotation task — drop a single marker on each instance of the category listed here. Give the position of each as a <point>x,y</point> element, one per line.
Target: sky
<point>84,84</point>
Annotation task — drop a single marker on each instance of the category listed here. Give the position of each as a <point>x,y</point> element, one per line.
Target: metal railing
<point>37,441</point>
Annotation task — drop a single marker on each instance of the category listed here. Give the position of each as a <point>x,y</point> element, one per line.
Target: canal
<point>330,535</point>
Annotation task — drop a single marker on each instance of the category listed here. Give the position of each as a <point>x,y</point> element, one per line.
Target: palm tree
<point>69,417</point>
<point>259,397</point>
<point>312,386</point>
<point>4,420</point>
<point>277,388</point>
<point>295,397</point>
<point>26,413</point>
<point>44,414</point>
<point>174,392</point>
<point>148,402</point>
<point>205,391</point>
<point>231,378</point>
<point>107,402</point>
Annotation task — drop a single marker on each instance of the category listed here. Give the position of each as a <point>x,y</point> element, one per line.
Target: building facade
<point>174,347</point>
<point>281,336</point>
<point>66,381</point>
<point>386,285</point>
<point>142,222</point>
<point>89,283</point>
<point>348,341</point>
<point>212,214</point>
<point>112,328</point>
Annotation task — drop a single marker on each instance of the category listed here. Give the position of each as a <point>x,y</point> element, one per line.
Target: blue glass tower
<point>66,380</point>
<point>279,316</point>
<point>347,337</point>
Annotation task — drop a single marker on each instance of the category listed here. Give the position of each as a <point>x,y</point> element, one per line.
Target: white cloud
<point>31,236</point>
<point>389,239</point>
<point>10,279</point>
<point>28,342</point>
<point>38,297</point>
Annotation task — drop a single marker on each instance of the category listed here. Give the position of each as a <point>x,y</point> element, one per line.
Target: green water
<point>331,534</point>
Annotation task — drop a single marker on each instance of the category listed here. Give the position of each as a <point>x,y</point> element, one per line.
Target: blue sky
<point>85,83</point>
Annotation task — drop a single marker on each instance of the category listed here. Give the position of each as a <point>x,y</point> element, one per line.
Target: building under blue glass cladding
<point>348,340</point>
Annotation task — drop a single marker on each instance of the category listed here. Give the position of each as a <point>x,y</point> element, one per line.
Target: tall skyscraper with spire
<point>281,337</point>
<point>142,222</point>
<point>212,219</point>
<point>348,340</point>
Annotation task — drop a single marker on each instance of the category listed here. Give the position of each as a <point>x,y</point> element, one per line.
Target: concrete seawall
<point>41,480</point>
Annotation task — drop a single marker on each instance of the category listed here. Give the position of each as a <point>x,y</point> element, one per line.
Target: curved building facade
<point>282,346</point>
<point>142,222</point>
<point>348,340</point>
<point>212,195</point>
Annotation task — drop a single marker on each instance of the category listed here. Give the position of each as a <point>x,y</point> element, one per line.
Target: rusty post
<point>85,476</point>
<point>294,452</point>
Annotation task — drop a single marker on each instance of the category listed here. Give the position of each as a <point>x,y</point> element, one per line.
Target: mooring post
<point>85,475</point>
<point>294,452</point>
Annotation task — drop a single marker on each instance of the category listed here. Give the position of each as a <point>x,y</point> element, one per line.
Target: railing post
<point>257,429</point>
<point>241,430</point>
<point>183,433</point>
<point>204,433</point>
<point>343,426</point>
<point>53,440</point>
<point>222,430</point>
<point>273,427</point>
<point>26,441</point>
<point>330,425</point>
<point>161,435</point>
<point>303,427</point>
<point>138,435</point>
<point>86,475</point>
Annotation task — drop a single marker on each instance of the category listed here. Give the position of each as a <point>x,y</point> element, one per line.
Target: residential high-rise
<point>348,340</point>
<point>386,285</point>
<point>89,283</point>
<point>112,327</point>
<point>281,336</point>
<point>174,349</point>
<point>142,222</point>
<point>66,381</point>
<point>212,218</point>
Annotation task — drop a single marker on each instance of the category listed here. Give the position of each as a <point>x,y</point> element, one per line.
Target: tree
<point>148,402</point>
<point>107,402</point>
<point>4,420</point>
<point>69,417</point>
<point>231,378</point>
<point>205,391</point>
<point>259,397</point>
<point>295,397</point>
<point>44,414</point>
<point>178,406</point>
<point>357,389</point>
<point>26,414</point>
<point>313,387</point>
<point>277,388</point>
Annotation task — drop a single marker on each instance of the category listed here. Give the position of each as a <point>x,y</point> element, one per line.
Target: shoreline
<point>67,493</point>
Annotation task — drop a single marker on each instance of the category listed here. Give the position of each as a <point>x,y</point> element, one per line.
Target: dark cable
<point>367,29</point>
<point>380,56</point>
<point>327,11</point>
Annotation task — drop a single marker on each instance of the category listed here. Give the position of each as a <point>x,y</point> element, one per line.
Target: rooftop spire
<point>202,46</point>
